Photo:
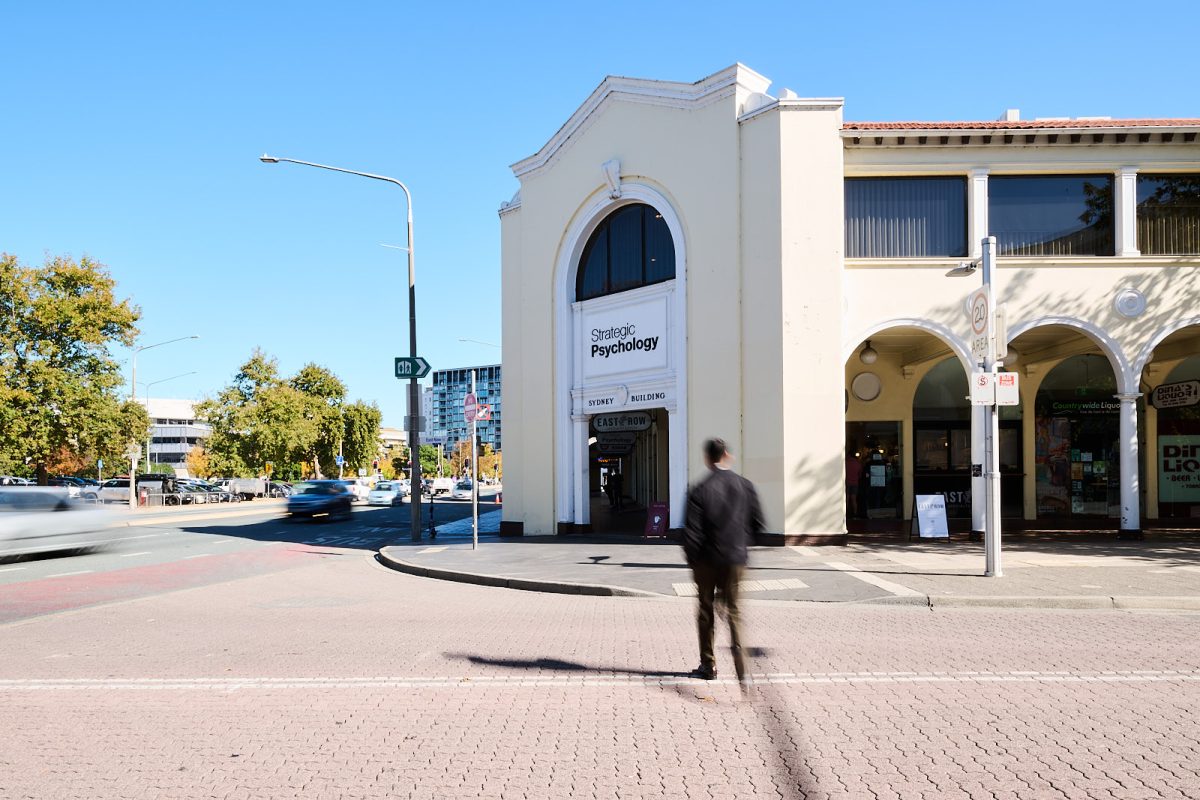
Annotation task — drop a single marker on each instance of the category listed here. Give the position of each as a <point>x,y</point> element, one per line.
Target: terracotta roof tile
<point>1020,124</point>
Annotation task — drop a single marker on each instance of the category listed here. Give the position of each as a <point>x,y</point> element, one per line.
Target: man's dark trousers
<point>725,578</point>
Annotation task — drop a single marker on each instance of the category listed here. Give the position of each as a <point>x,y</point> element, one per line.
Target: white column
<point>581,479</point>
<point>677,442</point>
<point>977,212</point>
<point>1131,518</point>
<point>978,483</point>
<point>1125,211</point>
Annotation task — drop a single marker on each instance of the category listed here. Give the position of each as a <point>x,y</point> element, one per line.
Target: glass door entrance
<point>874,488</point>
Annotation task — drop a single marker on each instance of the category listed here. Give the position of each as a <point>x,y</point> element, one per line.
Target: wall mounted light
<point>868,355</point>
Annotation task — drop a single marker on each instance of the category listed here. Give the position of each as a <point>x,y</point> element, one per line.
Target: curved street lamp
<point>414,396</point>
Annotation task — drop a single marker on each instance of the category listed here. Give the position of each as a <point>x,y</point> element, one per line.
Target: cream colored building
<point>692,260</point>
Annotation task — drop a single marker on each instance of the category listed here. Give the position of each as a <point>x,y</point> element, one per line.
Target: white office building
<point>720,258</point>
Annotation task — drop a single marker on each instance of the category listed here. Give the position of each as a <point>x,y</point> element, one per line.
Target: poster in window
<point>1179,469</point>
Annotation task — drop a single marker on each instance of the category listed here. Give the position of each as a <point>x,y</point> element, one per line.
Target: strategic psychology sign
<point>621,339</point>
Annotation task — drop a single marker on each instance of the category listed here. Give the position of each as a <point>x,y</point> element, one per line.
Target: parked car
<point>385,493</point>
<point>279,489</point>
<point>215,494</point>
<point>40,518</point>
<point>113,490</point>
<point>462,490</point>
<point>326,499</point>
<point>12,480</point>
<point>248,488</point>
<point>442,486</point>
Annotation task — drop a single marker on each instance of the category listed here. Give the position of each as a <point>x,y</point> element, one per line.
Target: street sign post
<point>978,312</point>
<point>411,367</point>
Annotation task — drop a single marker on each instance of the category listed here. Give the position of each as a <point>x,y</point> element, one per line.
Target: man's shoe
<point>704,673</point>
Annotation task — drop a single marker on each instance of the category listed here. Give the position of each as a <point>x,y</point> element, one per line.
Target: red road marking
<point>50,595</point>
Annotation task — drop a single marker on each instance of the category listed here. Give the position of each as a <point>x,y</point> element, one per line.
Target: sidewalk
<point>1069,570</point>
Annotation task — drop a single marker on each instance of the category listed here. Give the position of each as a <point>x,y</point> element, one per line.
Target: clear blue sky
<point>132,130</point>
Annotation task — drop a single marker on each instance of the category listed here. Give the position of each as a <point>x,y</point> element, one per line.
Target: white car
<point>113,490</point>
<point>385,493</point>
<point>462,490</point>
<point>34,519</point>
<point>359,489</point>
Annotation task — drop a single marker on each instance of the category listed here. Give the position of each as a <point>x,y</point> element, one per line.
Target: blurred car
<point>462,490</point>
<point>70,484</point>
<point>328,499</point>
<point>442,486</point>
<point>36,519</point>
<point>385,493</point>
<point>404,486</point>
<point>357,489</point>
<point>278,489</point>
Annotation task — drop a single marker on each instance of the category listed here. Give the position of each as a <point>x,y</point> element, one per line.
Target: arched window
<point>632,247</point>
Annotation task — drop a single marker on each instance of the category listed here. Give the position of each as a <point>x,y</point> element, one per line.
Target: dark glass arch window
<point>631,248</point>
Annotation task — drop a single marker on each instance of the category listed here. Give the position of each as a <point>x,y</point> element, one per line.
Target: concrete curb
<point>502,581</point>
<point>933,602</point>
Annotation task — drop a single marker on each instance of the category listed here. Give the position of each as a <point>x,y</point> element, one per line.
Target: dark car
<point>327,499</point>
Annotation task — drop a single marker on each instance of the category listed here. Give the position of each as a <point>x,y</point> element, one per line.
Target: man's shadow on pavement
<point>558,665</point>
<point>783,735</point>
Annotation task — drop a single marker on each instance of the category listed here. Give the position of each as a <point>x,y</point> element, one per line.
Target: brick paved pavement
<point>342,680</point>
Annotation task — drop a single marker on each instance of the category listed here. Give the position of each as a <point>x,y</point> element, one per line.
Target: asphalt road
<point>175,550</point>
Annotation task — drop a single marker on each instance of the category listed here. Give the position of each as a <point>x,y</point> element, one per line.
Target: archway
<point>900,383</point>
<point>620,319</point>
<point>1171,430</point>
<point>1090,401</point>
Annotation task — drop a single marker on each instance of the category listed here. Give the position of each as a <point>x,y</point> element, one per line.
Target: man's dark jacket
<point>723,514</point>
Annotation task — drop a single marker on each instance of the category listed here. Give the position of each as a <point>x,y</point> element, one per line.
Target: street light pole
<point>414,396</point>
<point>991,418</point>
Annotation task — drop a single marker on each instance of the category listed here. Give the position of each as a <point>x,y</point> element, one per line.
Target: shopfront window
<point>1178,447</point>
<point>1168,214</point>
<point>942,442</point>
<point>631,248</point>
<point>874,485</point>
<point>1077,444</point>
<point>1051,215</point>
<point>906,217</point>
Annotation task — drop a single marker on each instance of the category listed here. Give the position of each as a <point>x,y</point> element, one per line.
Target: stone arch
<point>1126,381</point>
<point>599,205</point>
<point>936,329</point>
<point>1147,352</point>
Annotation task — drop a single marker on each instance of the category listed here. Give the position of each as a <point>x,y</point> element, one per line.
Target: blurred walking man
<point>723,514</point>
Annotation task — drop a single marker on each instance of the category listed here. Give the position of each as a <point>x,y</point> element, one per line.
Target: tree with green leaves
<point>360,440</point>
<point>59,405</point>
<point>299,424</point>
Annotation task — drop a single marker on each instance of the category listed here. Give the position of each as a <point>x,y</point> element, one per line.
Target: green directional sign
<point>414,367</point>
